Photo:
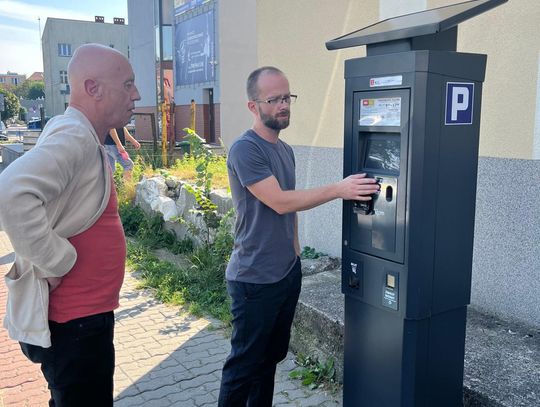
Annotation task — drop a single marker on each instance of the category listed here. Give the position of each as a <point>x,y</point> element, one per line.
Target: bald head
<point>92,61</point>
<point>102,86</point>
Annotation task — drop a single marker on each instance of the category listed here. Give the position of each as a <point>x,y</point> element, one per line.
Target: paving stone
<point>164,357</point>
<point>207,398</point>
<point>315,400</point>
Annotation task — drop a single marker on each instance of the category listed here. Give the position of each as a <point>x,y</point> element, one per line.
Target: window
<point>64,50</point>
<point>63,77</point>
<point>1,80</point>
<point>14,81</point>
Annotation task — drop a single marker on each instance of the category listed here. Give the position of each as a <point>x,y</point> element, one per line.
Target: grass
<point>200,287</point>
<point>184,168</point>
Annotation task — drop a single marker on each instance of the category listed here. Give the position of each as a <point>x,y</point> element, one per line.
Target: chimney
<point>99,19</point>
<point>118,20</point>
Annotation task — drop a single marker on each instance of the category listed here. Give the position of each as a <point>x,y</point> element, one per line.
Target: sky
<point>20,36</point>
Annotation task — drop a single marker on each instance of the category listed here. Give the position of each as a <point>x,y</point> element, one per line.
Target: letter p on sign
<point>459,103</point>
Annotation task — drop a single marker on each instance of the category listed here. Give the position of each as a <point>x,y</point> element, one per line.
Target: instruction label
<point>380,112</point>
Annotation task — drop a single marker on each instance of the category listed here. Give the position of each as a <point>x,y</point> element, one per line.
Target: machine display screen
<point>382,152</point>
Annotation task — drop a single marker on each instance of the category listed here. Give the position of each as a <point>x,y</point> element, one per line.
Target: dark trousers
<point>262,319</point>
<point>79,366</point>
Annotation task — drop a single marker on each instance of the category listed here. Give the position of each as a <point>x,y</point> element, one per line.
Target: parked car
<point>3,131</point>
<point>35,123</point>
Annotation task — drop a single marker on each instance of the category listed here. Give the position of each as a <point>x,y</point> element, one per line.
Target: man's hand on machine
<point>357,187</point>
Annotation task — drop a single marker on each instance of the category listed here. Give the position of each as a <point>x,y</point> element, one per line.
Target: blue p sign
<point>459,103</point>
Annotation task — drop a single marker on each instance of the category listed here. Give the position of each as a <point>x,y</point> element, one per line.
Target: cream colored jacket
<point>55,191</point>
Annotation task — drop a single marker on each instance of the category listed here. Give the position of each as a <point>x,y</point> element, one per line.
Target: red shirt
<point>93,285</point>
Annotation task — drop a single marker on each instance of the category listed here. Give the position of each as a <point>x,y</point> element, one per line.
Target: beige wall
<point>509,35</point>
<point>237,58</point>
<point>291,36</point>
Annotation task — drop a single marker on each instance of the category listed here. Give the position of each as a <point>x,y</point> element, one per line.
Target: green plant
<point>313,373</point>
<point>310,253</point>
<point>203,158</point>
<point>150,230</point>
<point>126,189</point>
<point>185,169</point>
<point>200,286</point>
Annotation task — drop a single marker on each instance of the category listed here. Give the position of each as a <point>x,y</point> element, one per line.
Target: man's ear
<point>252,106</point>
<point>92,88</point>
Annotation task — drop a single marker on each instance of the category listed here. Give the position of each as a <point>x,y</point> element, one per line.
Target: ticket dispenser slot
<point>379,144</point>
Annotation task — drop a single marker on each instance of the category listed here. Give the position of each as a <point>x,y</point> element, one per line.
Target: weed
<point>315,374</point>
<point>311,253</point>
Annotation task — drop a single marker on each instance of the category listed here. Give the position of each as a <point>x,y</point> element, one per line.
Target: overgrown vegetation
<point>199,284</point>
<point>315,374</point>
<point>189,167</point>
<point>200,287</point>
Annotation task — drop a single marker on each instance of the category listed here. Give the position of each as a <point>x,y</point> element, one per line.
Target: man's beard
<point>273,123</point>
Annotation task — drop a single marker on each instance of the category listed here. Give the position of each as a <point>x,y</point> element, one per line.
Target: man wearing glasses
<point>264,273</point>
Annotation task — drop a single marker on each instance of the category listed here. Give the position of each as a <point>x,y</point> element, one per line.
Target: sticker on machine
<point>380,112</point>
<point>395,80</point>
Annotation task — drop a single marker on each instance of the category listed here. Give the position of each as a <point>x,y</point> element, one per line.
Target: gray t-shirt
<point>263,250</point>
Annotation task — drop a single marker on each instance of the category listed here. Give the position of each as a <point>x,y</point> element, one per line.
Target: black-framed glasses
<point>288,99</point>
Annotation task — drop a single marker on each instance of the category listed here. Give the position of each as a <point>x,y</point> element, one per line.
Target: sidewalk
<point>164,357</point>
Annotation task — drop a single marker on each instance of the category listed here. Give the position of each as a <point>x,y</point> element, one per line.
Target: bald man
<point>58,206</point>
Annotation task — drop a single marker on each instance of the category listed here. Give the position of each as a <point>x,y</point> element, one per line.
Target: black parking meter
<point>412,118</point>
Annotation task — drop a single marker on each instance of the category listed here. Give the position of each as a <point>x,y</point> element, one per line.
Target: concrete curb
<point>502,358</point>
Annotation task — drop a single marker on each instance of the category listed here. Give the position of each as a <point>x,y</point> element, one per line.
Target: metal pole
<point>164,133</point>
<point>192,115</point>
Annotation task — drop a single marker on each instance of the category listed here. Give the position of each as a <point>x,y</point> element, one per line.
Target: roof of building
<point>36,76</point>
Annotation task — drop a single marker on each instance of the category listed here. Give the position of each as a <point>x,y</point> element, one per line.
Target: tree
<point>30,90</point>
<point>11,104</point>
<point>36,90</point>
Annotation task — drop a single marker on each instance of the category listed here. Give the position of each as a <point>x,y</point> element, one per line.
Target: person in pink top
<point>59,208</point>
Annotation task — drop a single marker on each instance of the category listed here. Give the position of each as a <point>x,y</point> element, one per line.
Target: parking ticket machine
<point>412,118</point>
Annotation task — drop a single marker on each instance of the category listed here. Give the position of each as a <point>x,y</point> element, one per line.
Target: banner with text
<point>195,53</point>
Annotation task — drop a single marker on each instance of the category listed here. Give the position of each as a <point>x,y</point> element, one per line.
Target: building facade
<point>11,79</point>
<point>292,36</point>
<point>60,39</point>
<point>170,21</point>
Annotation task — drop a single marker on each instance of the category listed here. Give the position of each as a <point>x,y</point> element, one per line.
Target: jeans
<point>114,156</point>
<point>79,366</point>
<point>262,319</point>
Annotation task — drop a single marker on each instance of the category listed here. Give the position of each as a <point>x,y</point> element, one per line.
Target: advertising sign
<point>195,52</point>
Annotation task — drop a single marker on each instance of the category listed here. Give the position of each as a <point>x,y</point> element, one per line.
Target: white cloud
<point>19,10</point>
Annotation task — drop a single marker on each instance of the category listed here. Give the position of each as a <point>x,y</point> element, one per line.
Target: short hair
<point>253,78</point>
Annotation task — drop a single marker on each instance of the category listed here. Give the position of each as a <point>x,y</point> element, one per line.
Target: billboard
<point>195,50</point>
